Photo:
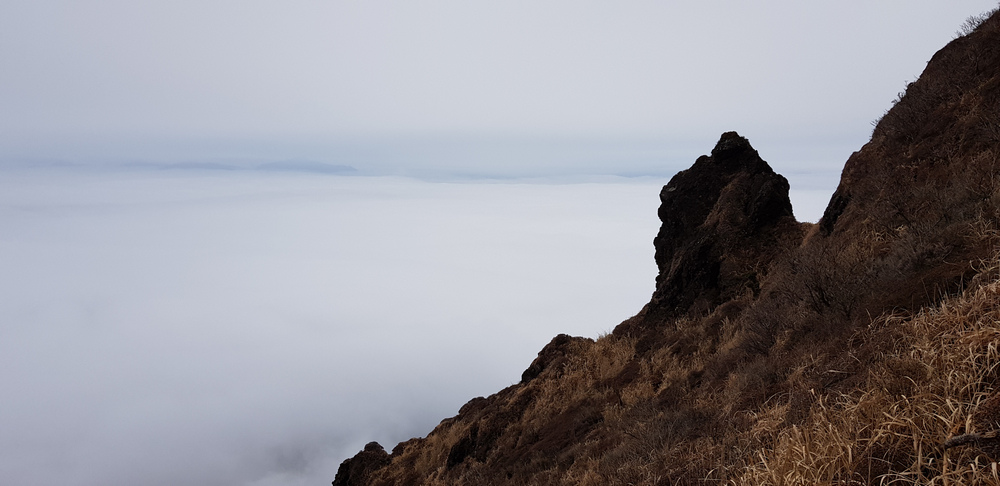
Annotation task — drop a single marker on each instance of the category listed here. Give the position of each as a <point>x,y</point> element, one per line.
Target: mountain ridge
<point>761,327</point>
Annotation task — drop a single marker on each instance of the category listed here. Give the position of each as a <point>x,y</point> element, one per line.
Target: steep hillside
<point>772,351</point>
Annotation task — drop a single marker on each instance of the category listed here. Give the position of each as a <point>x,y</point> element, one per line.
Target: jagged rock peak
<point>732,150</point>
<point>723,219</point>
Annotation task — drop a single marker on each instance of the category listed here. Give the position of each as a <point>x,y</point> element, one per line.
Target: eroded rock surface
<point>723,220</point>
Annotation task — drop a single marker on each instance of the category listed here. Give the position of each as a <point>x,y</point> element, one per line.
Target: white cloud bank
<point>245,328</point>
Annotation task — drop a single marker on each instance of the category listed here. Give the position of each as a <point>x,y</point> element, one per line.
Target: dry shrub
<point>973,22</point>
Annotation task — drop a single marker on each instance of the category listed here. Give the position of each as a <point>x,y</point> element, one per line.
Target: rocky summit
<point>723,220</point>
<point>864,349</point>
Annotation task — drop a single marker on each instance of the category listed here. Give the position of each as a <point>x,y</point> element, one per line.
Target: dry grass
<point>948,359</point>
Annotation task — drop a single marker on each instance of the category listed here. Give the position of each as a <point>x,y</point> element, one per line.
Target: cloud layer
<point>192,327</point>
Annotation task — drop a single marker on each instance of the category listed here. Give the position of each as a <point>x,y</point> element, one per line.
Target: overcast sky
<point>181,80</point>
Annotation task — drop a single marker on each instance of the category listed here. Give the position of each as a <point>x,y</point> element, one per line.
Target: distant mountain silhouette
<point>306,166</point>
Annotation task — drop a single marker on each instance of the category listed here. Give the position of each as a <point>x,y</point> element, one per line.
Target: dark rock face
<point>722,219</point>
<point>356,470</point>
<point>833,211</point>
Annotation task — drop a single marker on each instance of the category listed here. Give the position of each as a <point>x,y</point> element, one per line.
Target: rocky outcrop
<point>358,469</point>
<point>723,221</point>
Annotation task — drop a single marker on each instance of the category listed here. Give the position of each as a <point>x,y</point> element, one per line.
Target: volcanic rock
<point>723,220</point>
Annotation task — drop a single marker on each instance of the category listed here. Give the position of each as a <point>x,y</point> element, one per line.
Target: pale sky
<point>110,79</point>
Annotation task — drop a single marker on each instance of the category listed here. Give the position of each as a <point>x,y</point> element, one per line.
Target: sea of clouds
<point>218,327</point>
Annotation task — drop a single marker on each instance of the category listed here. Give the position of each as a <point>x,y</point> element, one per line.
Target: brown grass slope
<point>774,352</point>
